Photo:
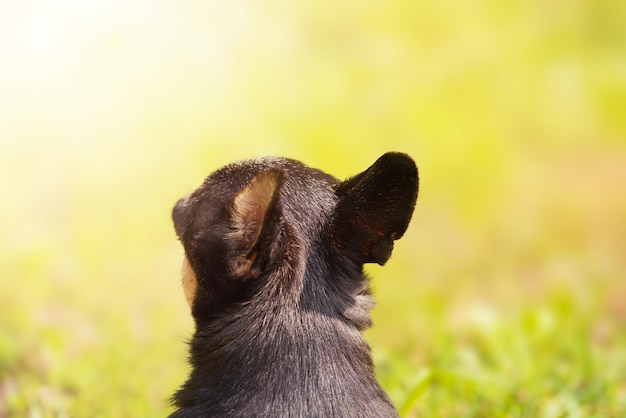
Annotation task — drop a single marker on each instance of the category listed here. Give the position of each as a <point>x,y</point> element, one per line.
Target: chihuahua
<point>273,274</point>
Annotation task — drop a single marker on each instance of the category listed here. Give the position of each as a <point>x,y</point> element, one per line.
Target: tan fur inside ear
<point>250,208</point>
<point>190,282</point>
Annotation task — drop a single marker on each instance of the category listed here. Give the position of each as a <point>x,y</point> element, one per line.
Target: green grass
<point>504,299</point>
<point>515,314</point>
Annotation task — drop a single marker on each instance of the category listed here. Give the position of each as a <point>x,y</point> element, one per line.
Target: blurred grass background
<point>507,296</point>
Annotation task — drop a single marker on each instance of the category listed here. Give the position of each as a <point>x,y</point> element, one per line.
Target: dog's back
<point>274,276</point>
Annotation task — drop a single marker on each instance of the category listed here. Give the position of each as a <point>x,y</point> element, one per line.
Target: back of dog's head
<point>256,223</point>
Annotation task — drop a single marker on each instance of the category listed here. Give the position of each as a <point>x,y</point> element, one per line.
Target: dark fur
<point>281,296</point>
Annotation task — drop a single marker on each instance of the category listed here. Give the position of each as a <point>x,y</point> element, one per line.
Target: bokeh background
<point>506,297</point>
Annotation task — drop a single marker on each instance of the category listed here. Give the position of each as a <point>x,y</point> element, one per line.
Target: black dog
<point>274,277</point>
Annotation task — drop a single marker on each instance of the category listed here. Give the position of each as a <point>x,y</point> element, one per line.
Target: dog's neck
<point>289,357</point>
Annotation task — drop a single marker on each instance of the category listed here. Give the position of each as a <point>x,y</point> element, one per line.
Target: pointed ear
<point>255,223</point>
<point>375,207</point>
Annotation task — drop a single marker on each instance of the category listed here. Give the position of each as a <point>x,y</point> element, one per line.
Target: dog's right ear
<point>375,207</point>
<point>255,224</point>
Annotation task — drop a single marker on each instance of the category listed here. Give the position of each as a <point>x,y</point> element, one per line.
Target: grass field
<point>507,295</point>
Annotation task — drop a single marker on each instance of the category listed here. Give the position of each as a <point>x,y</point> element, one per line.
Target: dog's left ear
<point>375,207</point>
<point>255,224</point>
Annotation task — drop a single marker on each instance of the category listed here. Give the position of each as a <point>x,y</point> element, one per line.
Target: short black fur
<point>277,290</point>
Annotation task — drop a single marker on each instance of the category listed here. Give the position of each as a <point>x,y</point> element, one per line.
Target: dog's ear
<point>375,207</point>
<point>255,224</point>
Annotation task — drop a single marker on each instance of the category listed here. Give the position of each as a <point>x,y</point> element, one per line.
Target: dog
<point>273,274</point>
